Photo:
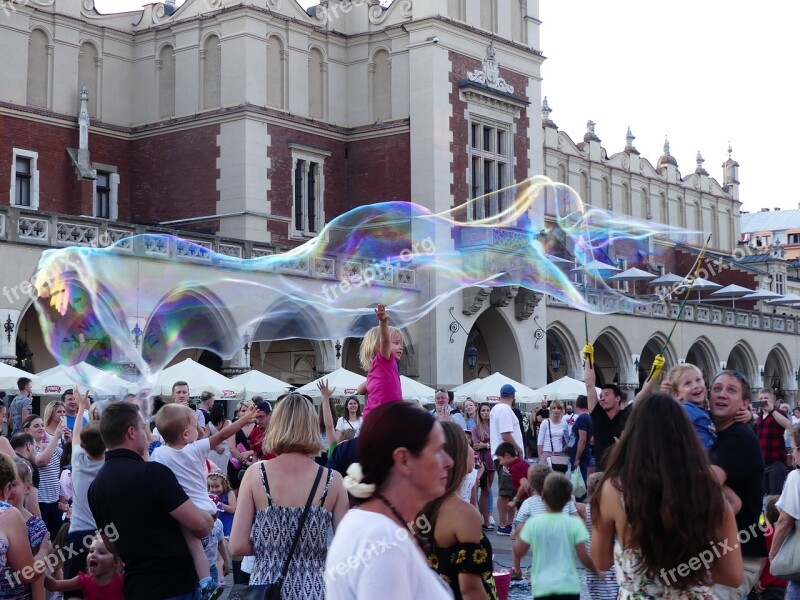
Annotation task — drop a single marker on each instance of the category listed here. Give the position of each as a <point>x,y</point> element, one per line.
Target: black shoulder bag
<point>272,591</point>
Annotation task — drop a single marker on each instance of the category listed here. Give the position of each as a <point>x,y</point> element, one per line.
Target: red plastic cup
<point>502,581</point>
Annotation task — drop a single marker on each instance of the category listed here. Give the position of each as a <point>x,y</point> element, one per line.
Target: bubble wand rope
<point>654,371</point>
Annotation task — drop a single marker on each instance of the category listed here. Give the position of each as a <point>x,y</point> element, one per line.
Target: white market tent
<point>488,389</point>
<point>256,383</point>
<point>346,383</point>
<point>9,376</point>
<point>414,389</point>
<point>55,381</point>
<point>200,379</point>
<point>565,388</point>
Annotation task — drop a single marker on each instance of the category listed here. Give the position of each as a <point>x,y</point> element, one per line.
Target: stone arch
<point>201,317</point>
<point>165,64</point>
<point>211,59</point>
<point>612,357</point>
<point>85,335</point>
<point>276,71</point>
<point>585,188</point>
<point>499,348</point>
<point>560,338</point>
<point>607,201</point>
<point>742,358</point>
<point>778,373</point>
<point>89,62</point>
<point>380,66</point>
<point>703,355</point>
<point>39,52</point>
<point>408,364</point>
<point>648,352</point>
<point>627,204</point>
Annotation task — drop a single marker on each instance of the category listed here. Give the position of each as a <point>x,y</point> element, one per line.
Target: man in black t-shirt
<point>608,418</point>
<point>139,508</point>
<point>736,460</point>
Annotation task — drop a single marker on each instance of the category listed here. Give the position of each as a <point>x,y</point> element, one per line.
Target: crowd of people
<point>673,495</point>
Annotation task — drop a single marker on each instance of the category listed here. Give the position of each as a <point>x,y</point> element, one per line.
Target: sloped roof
<point>777,220</point>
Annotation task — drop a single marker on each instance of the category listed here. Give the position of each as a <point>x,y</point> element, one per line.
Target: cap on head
<point>264,406</point>
<point>508,390</point>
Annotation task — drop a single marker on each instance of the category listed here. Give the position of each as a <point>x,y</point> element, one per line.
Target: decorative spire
<point>666,158</point>
<point>666,146</point>
<point>700,160</point>
<point>83,120</point>
<point>590,136</point>
<point>730,150</point>
<point>629,137</point>
<point>546,110</point>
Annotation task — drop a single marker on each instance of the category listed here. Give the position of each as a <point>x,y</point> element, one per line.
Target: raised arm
<point>78,427</point>
<point>44,458</point>
<point>327,415</point>
<point>231,428</point>
<point>386,340</point>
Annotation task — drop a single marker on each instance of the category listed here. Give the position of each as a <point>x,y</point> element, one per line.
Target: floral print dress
<point>465,558</point>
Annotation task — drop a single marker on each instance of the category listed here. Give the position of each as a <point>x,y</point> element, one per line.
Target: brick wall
<point>378,170</point>
<point>174,176</point>
<point>59,188</point>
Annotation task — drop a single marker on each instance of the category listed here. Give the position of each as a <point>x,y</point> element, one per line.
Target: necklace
<point>423,542</point>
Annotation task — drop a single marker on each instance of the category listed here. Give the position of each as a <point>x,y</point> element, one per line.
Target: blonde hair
<point>172,420</point>
<point>556,404</point>
<point>370,344</point>
<point>24,470</point>
<point>50,410</point>
<point>294,427</point>
<point>678,371</point>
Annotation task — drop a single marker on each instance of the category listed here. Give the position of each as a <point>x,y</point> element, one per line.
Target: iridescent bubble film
<point>174,295</point>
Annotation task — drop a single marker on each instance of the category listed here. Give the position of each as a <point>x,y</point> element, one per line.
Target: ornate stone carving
<point>377,13</point>
<point>490,75</point>
<point>502,296</point>
<point>88,5</point>
<point>525,303</point>
<point>473,299</point>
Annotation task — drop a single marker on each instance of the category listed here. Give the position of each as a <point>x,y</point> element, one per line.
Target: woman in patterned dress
<point>272,497</point>
<point>460,552</point>
<point>16,558</point>
<point>658,507</point>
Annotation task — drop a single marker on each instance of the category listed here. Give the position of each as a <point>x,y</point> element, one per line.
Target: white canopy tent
<point>414,389</point>
<point>565,388</point>
<point>256,383</point>
<point>200,379</point>
<point>55,381</point>
<point>9,376</point>
<point>346,383</point>
<point>488,388</point>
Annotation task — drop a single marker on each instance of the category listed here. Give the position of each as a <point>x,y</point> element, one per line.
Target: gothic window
<point>489,167</point>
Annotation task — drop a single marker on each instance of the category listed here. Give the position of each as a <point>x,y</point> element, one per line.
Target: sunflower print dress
<point>464,558</point>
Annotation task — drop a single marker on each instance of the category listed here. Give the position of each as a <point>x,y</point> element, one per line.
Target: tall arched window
<point>646,205</point>
<point>626,200</point>
<point>88,75</point>
<point>38,68</point>
<point>212,72</point>
<point>489,15</point>
<point>275,72</point>
<point>562,173</point>
<point>455,9</point>
<point>166,82</point>
<point>381,86</point>
<point>607,202</point>
<point>664,209</point>
<point>681,211</point>
<point>316,89</point>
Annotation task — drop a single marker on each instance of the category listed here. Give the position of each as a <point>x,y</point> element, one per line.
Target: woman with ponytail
<point>378,550</point>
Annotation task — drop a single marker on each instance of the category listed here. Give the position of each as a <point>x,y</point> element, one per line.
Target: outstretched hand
<point>380,312</point>
<point>323,388</point>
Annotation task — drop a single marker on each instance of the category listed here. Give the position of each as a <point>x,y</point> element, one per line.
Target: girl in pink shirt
<point>380,350</point>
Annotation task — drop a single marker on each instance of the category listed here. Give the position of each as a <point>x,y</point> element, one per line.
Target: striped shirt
<point>50,474</point>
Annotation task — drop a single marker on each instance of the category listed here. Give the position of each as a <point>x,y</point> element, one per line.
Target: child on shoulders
<point>381,348</point>
<point>185,456</point>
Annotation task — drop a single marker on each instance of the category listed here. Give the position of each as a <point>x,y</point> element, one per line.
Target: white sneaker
<point>491,521</point>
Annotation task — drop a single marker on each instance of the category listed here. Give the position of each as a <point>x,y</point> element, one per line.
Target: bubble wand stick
<point>655,370</point>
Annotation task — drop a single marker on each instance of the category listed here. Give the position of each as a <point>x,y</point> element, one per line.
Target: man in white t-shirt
<point>504,427</point>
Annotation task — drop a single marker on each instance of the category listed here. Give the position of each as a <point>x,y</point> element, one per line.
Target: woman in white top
<point>352,416</point>
<point>403,466</point>
<point>550,443</point>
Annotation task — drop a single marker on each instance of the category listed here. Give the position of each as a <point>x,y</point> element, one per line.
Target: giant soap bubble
<point>180,295</point>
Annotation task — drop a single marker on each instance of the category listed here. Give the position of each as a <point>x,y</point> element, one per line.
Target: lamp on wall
<point>761,370</point>
<point>338,347</point>
<point>472,357</point>
<point>555,360</point>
